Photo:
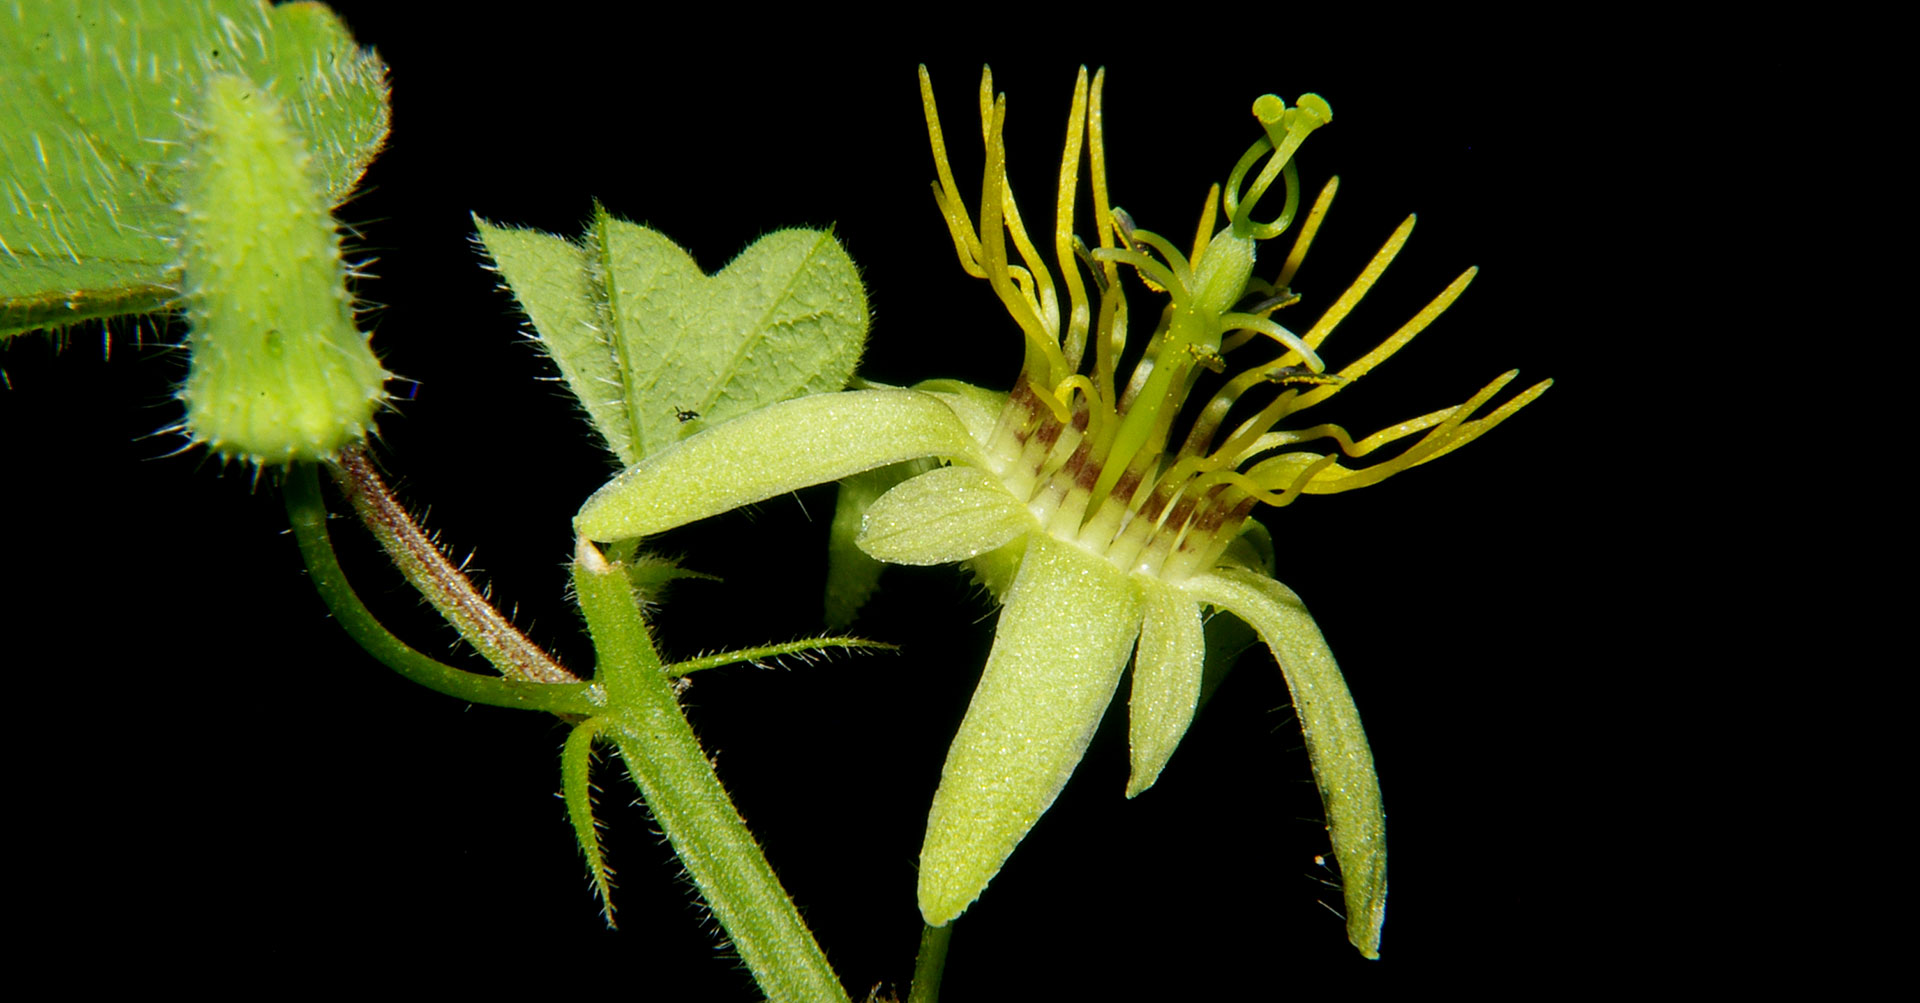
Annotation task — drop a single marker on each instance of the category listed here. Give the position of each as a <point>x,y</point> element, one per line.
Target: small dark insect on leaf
<point>685,414</point>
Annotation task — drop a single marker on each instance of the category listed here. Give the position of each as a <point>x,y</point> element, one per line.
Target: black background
<point>213,769</point>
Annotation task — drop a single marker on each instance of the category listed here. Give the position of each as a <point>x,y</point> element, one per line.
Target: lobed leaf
<point>657,350</point>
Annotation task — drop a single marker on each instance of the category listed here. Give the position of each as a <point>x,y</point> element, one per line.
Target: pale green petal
<point>942,516</point>
<point>771,451</point>
<point>1064,637</point>
<point>1166,679</point>
<point>1336,744</point>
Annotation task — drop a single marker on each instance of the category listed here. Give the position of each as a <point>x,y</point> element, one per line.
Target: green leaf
<point>656,350</point>
<point>93,124</point>
<point>550,278</point>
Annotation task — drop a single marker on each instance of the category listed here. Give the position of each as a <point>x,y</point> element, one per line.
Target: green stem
<point>309,517</point>
<point>930,964</point>
<point>644,720</point>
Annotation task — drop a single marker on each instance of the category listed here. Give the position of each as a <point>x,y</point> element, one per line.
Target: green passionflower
<point>1106,536</point>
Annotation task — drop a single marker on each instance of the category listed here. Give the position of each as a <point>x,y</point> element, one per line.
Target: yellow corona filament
<point>1118,483</point>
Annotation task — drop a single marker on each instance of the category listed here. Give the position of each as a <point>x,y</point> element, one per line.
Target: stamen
<point>1207,359</point>
<point>1143,369</point>
<point>1155,275</point>
<point>1093,267</point>
<point>1176,262</point>
<point>1300,348</point>
<point>1123,224</point>
<point>1285,297</point>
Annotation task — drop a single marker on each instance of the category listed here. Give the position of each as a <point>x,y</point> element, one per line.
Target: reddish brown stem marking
<point>446,587</point>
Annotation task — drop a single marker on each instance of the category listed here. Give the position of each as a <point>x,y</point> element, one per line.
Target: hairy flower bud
<point>278,370</point>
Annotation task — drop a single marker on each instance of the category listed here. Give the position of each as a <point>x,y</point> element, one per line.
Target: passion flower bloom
<point>1106,535</point>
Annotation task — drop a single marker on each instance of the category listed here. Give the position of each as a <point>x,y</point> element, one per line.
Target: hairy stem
<point>309,517</point>
<point>644,721</point>
<point>446,587</point>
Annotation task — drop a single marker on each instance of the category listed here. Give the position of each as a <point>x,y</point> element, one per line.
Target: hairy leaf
<point>97,94</point>
<point>655,349</point>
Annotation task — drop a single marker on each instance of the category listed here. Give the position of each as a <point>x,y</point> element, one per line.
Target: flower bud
<point>278,370</point>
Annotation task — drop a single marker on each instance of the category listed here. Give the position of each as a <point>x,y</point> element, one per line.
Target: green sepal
<point>1336,743</point>
<point>977,407</point>
<point>852,576</point>
<point>1063,640</point>
<point>771,451</point>
<point>1228,636</point>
